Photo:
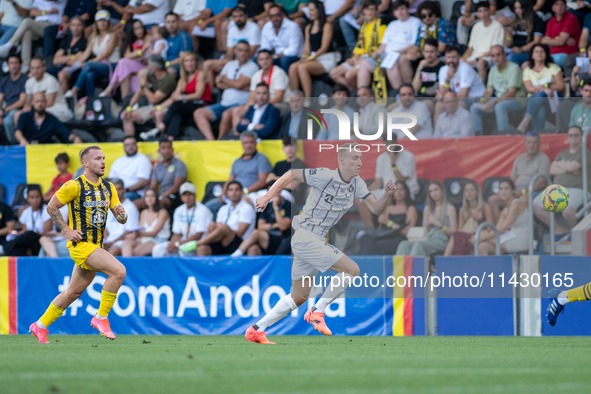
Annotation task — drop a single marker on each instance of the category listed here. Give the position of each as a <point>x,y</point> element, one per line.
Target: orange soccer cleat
<point>317,320</point>
<point>39,333</point>
<point>257,337</point>
<point>103,326</point>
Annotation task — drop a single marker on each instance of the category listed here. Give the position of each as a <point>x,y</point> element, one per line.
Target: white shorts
<point>576,197</point>
<point>311,254</point>
<point>328,60</point>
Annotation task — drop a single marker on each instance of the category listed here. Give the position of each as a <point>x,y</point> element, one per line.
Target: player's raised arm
<point>53,209</point>
<point>280,184</point>
<point>377,206</point>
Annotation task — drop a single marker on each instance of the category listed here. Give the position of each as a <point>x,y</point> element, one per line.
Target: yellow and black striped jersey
<point>89,205</point>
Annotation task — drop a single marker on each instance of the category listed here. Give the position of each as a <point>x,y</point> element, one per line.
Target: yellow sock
<point>582,293</point>
<point>51,314</point>
<point>107,301</point>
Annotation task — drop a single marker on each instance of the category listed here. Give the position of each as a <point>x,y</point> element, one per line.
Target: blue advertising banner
<point>470,307</point>
<point>207,296</point>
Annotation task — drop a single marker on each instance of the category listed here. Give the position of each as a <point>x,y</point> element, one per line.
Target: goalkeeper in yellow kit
<point>89,197</point>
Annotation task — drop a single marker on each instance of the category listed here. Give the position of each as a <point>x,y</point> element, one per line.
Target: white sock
<point>279,311</point>
<point>338,285</point>
<point>563,298</point>
<point>41,325</point>
<point>237,253</point>
<point>100,317</point>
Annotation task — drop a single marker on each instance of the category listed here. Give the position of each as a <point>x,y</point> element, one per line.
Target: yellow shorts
<point>80,253</point>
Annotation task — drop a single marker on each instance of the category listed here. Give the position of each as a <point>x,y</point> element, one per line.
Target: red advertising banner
<point>475,158</point>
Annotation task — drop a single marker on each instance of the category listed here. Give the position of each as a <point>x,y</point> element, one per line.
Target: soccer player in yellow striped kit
<point>89,198</point>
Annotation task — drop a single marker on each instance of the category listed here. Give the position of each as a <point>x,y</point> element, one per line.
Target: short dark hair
<point>576,127</point>
<point>368,3</point>
<point>164,140</point>
<point>288,140</point>
<point>368,88</point>
<point>586,82</point>
<point>85,151</point>
<point>400,3</point>
<point>235,183</point>
<point>171,14</point>
<point>262,84</point>
<point>431,41</point>
<point>116,181</point>
<point>450,49</point>
<point>239,7</point>
<point>32,188</point>
<point>556,1</point>
<point>265,51</point>
<point>275,5</point>
<point>430,6</point>
<point>14,56</point>
<point>244,42</point>
<point>406,85</point>
<point>486,4</point>
<point>339,87</point>
<point>38,58</point>
<point>62,157</point>
<point>128,137</point>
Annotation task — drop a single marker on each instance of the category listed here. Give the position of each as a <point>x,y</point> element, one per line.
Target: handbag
<point>416,234</point>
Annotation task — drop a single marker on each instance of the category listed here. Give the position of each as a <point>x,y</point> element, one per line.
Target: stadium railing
<point>586,204</point>
<point>531,215</point>
<point>481,227</point>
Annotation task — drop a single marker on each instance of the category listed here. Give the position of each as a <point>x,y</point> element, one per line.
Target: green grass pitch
<point>297,364</point>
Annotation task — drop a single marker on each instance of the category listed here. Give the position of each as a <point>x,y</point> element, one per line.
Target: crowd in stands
<point>119,70</point>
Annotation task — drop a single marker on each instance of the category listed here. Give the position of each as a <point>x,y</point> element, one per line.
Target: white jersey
<point>330,198</point>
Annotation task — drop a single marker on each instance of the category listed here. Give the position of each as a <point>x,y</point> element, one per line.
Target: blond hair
<point>184,78</point>
<point>466,204</point>
<point>431,203</point>
<point>347,147</point>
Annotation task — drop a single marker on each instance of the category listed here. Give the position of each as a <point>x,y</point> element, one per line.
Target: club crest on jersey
<point>350,189</point>
<point>97,219</point>
<point>313,171</point>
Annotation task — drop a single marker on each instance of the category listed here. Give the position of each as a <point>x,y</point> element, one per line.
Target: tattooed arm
<point>53,209</point>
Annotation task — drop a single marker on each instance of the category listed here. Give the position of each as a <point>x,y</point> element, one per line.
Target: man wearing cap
<point>43,13</point>
<point>156,84</point>
<point>189,223</point>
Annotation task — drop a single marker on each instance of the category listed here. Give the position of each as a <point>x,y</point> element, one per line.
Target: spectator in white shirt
<point>410,105</point>
<point>235,221</point>
<point>485,34</point>
<point>189,11</point>
<point>239,29</point>
<point>234,80</point>
<point>13,12</point>
<point>133,169</point>
<point>455,122</point>
<point>459,77</point>
<point>283,38</point>
<point>189,223</point>
<point>278,83</point>
<point>397,47</point>
<point>150,12</point>
<point>116,232</point>
<point>45,13</point>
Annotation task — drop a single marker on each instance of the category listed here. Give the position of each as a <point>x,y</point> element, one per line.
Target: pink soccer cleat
<point>257,337</point>
<point>317,320</point>
<point>103,326</point>
<point>39,333</point>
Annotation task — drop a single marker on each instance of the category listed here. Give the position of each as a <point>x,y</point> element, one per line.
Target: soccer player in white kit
<point>333,194</point>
